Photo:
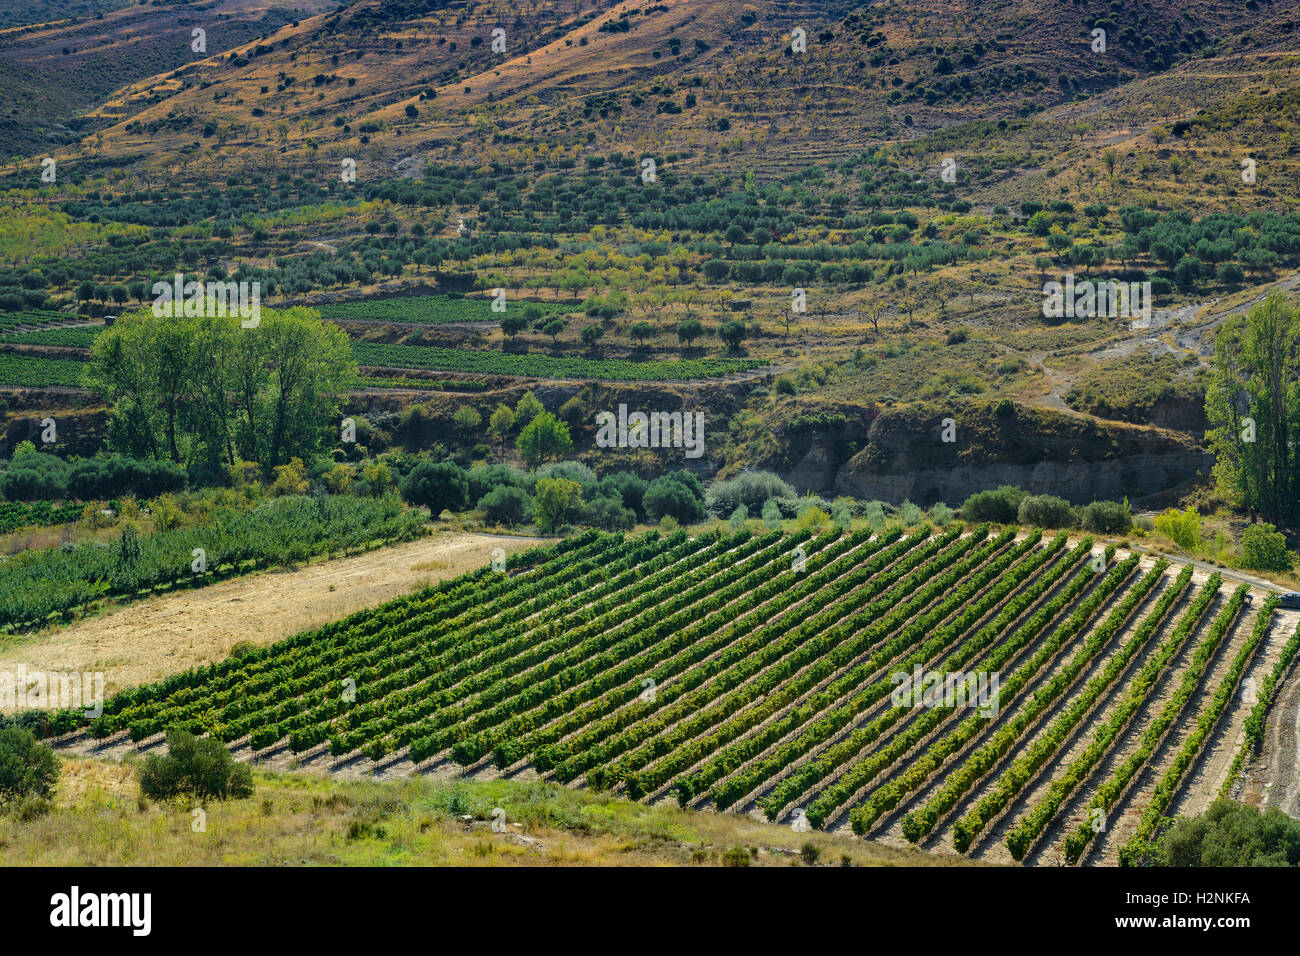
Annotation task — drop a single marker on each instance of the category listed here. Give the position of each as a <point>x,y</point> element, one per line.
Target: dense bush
<point>199,767</point>
<point>483,478</point>
<point>1002,505</point>
<point>1183,528</point>
<point>1045,511</point>
<point>436,485</point>
<point>669,495</point>
<point>1106,517</point>
<point>1233,834</point>
<point>630,487</point>
<point>28,768</point>
<point>506,504</point>
<point>35,476</point>
<point>1263,548</point>
<point>108,478</point>
<point>572,470</point>
<point>609,513</point>
<point>749,488</point>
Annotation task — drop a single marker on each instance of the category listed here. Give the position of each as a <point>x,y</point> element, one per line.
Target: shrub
<point>28,768</point>
<point>1263,548</point>
<point>1233,834</point>
<point>841,517</point>
<point>771,515</point>
<point>108,478</point>
<point>750,488</point>
<point>669,495</point>
<point>1183,528</point>
<point>556,501</point>
<point>1106,517</point>
<point>35,476</point>
<point>1002,505</point>
<point>738,518</point>
<point>573,470</point>
<point>1045,511</point>
<point>814,519</point>
<point>941,514</point>
<point>631,487</point>
<point>736,856</point>
<point>485,478</point>
<point>199,767</point>
<point>506,504</point>
<point>875,515</point>
<point>910,513</point>
<point>608,513</point>
<point>436,485</point>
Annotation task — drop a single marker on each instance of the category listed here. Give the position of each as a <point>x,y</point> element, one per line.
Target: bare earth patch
<point>145,641</point>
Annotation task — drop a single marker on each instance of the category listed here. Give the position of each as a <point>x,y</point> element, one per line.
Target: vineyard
<point>35,371</point>
<point>12,320</point>
<point>31,371</point>
<point>425,384</point>
<point>24,514</point>
<point>431,309</point>
<point>760,673</point>
<point>40,584</point>
<point>77,337</point>
<point>545,366</point>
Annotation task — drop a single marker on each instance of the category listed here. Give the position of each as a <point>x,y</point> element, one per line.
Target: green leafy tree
<point>513,323</point>
<point>28,768</point>
<point>641,331</point>
<point>1263,548</point>
<point>543,438</point>
<point>1253,406</point>
<point>732,334</point>
<point>467,419</point>
<point>689,330</point>
<point>198,767</point>
<point>501,424</point>
<point>555,502</point>
<point>527,408</point>
<point>437,486</point>
<point>506,504</point>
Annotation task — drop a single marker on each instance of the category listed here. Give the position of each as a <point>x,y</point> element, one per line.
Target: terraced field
<point>762,674</point>
<point>34,371</point>
<point>429,309</point>
<point>545,366</point>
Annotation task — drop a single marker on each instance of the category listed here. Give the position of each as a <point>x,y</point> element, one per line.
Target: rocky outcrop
<point>907,456</point>
<point>1134,477</point>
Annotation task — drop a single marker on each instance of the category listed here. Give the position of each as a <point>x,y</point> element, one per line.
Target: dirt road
<point>144,641</point>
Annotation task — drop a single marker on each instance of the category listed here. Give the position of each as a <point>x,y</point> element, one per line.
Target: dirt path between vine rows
<point>144,641</point>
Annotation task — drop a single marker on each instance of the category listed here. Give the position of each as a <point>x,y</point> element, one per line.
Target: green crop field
<point>9,320</point>
<point>32,371</point>
<point>82,337</point>
<point>756,672</point>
